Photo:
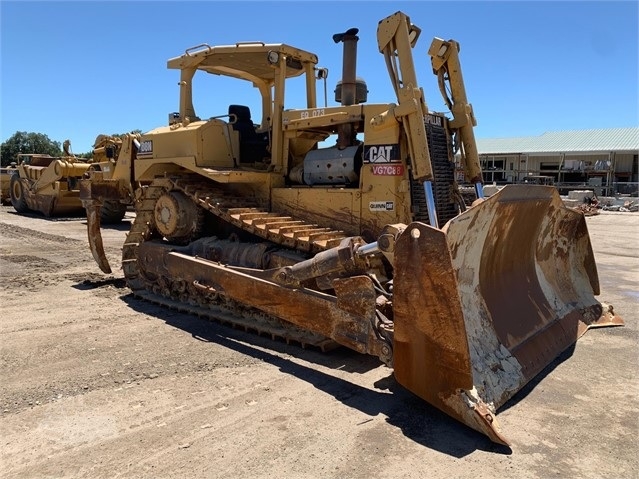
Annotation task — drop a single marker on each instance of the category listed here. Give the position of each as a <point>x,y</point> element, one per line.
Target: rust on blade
<point>607,318</point>
<point>483,305</point>
<point>431,356</point>
<point>528,280</point>
<point>472,411</point>
<point>431,351</point>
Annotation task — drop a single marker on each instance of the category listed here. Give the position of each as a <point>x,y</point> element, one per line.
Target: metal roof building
<point>605,157</point>
<point>597,140</point>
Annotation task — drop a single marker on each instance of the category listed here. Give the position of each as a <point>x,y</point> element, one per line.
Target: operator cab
<point>256,136</point>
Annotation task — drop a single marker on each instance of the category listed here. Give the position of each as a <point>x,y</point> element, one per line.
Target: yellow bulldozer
<point>50,186</point>
<point>344,225</point>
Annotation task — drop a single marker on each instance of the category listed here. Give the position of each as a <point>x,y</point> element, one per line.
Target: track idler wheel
<point>177,218</point>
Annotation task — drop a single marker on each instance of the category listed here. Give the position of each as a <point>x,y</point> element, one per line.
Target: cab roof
<point>247,60</point>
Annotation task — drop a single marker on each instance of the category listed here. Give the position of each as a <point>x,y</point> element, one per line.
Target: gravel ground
<point>98,384</point>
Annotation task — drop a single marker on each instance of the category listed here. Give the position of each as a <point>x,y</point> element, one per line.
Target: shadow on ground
<point>124,225</point>
<point>418,420</point>
<point>95,280</point>
<point>38,215</point>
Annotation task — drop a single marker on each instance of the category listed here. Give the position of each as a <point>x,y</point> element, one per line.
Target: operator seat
<point>253,146</point>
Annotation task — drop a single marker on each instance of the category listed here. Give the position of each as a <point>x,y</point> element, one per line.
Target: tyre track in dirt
<point>98,384</point>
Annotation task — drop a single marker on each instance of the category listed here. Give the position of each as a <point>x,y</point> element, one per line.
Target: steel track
<point>242,213</point>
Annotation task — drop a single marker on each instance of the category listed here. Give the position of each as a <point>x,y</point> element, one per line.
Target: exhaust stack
<point>350,90</point>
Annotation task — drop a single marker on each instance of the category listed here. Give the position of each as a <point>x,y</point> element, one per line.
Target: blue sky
<point>77,69</point>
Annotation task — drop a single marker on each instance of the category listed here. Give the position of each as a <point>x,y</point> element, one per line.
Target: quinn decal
<point>388,170</point>
<point>146,147</point>
<point>381,154</point>
<point>381,206</point>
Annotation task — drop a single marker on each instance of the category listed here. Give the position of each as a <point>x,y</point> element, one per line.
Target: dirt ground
<point>97,384</point>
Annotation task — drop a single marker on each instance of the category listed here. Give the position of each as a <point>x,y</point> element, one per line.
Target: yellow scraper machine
<point>345,225</point>
<point>48,185</point>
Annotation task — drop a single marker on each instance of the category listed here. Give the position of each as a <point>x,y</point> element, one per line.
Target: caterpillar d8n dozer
<point>364,242</point>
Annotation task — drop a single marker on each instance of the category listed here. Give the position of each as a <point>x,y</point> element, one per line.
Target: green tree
<point>23,142</point>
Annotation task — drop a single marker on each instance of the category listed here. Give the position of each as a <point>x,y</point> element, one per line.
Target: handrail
<point>201,45</point>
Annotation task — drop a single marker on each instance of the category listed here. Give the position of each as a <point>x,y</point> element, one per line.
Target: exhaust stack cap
<point>339,37</point>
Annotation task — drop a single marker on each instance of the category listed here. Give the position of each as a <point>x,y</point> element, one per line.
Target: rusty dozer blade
<point>483,305</point>
<point>95,235</point>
